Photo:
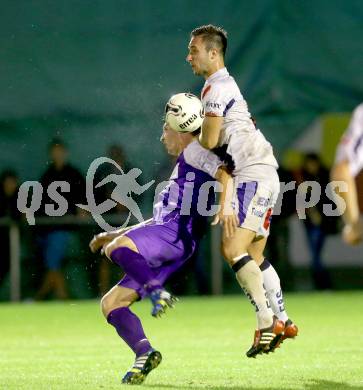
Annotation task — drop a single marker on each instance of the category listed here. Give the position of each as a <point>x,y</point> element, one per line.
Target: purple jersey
<point>188,196</point>
<point>179,216</point>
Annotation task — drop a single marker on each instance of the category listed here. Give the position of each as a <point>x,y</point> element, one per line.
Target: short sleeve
<point>215,99</point>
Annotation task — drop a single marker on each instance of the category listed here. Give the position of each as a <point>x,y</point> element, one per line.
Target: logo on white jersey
<point>213,105</point>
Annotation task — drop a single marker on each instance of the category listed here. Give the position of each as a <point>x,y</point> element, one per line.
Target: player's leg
<point>248,274</point>
<point>115,307</point>
<point>272,286</point>
<point>253,201</point>
<point>250,279</point>
<point>124,252</point>
<point>271,279</point>
<point>235,250</point>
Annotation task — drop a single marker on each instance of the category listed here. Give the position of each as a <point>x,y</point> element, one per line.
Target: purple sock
<point>135,266</point>
<point>129,328</point>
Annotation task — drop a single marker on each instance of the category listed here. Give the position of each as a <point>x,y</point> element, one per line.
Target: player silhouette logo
<point>126,184</point>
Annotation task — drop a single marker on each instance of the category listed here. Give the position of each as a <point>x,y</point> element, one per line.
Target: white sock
<point>249,277</point>
<point>272,286</point>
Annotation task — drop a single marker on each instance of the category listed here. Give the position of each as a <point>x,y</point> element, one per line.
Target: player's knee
<point>228,253</point>
<point>109,248</point>
<point>117,243</point>
<point>109,303</point>
<point>106,304</point>
<point>116,298</point>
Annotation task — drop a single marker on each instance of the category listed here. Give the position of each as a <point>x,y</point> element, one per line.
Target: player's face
<point>198,57</point>
<point>171,140</point>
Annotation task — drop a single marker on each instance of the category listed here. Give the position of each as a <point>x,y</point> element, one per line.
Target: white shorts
<point>254,202</point>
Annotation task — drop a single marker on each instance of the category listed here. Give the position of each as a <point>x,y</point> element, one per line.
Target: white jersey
<point>351,145</point>
<point>249,153</point>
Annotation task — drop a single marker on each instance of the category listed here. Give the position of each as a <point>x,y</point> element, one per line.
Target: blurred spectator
<point>55,240</point>
<point>317,224</point>
<point>116,153</point>
<point>8,209</point>
<point>192,277</point>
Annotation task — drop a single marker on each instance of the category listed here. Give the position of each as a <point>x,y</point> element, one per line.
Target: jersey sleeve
<point>215,100</point>
<point>203,159</point>
<point>350,147</point>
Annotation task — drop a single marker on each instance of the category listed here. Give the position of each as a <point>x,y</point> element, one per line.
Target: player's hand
<point>230,225</point>
<point>353,233</point>
<point>228,220</point>
<point>99,241</point>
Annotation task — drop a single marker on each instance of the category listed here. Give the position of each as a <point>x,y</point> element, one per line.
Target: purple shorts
<point>165,248</point>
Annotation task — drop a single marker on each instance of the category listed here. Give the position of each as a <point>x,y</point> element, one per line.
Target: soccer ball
<point>184,112</point>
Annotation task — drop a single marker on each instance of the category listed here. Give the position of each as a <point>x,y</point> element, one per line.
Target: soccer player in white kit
<point>348,163</point>
<point>230,132</point>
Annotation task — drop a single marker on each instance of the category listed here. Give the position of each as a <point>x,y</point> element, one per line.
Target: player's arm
<point>352,233</point>
<point>341,172</point>
<point>226,215</point>
<point>211,129</point>
<point>101,239</point>
<point>208,162</point>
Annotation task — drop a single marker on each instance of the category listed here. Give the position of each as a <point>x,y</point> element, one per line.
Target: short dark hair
<point>213,36</point>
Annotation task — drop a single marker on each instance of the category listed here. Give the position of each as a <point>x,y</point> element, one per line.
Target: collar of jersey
<point>221,72</point>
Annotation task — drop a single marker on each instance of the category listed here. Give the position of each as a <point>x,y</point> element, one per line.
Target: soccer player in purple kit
<point>150,252</point>
<point>230,132</point>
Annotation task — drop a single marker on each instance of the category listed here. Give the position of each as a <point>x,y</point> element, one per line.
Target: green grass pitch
<point>203,341</point>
